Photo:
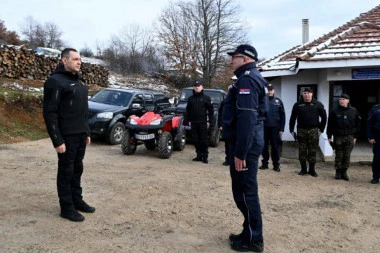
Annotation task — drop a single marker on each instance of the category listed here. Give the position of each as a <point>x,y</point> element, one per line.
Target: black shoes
<point>276,168</point>
<point>374,181</point>
<point>302,172</point>
<point>84,207</point>
<point>197,159</point>
<point>263,167</point>
<point>225,163</point>
<point>72,215</point>
<point>204,160</point>
<point>244,246</point>
<point>313,173</point>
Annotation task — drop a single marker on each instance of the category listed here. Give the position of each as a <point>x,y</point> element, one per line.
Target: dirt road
<point>148,204</point>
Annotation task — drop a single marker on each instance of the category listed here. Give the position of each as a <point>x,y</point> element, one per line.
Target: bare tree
<point>37,35</point>
<point>132,51</point>
<point>199,33</point>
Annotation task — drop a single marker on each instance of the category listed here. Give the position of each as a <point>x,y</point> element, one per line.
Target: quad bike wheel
<point>165,145</point>
<point>116,134</point>
<point>127,144</point>
<point>180,143</point>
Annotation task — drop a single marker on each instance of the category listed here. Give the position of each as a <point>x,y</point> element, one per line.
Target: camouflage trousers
<point>308,145</point>
<point>343,148</point>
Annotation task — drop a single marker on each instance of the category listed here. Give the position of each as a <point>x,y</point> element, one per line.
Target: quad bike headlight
<point>105,115</point>
<point>155,122</point>
<point>132,121</point>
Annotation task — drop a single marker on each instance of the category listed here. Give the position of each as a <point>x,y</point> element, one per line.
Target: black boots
<point>338,174</point>
<point>341,174</point>
<point>84,207</point>
<point>344,174</point>
<point>276,167</point>
<point>312,170</point>
<point>303,169</point>
<point>72,214</point>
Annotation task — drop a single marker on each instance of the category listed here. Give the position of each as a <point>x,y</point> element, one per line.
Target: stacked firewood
<point>21,62</point>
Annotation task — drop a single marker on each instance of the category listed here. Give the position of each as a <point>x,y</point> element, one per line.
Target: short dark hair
<point>66,52</point>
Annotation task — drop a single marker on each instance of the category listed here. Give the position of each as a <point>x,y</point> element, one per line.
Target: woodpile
<point>21,62</point>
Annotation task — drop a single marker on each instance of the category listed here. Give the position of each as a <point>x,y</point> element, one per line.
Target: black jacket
<point>307,115</point>
<point>199,108</point>
<point>343,121</point>
<point>65,106</point>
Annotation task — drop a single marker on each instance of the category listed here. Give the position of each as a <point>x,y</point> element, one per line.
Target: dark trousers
<point>343,148</point>
<point>200,139</point>
<point>226,151</point>
<point>376,157</point>
<point>245,187</point>
<point>271,136</point>
<point>70,169</point>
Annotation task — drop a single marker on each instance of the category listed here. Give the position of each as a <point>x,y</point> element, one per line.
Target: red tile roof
<point>357,39</point>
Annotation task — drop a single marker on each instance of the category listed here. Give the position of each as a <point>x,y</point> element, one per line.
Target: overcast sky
<point>275,25</point>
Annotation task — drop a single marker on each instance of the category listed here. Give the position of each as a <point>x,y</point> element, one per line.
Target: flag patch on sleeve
<point>244,91</point>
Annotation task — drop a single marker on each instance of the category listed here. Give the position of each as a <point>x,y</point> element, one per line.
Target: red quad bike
<point>165,132</point>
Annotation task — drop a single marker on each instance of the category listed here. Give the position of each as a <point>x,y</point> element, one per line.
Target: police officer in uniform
<point>311,121</point>
<point>243,114</point>
<point>274,125</point>
<point>344,126</point>
<point>199,115</point>
<point>373,133</point>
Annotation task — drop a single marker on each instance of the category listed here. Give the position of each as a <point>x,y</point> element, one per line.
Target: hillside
<point>21,104</point>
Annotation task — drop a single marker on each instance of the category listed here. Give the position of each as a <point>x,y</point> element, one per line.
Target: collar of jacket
<point>240,71</point>
<point>61,70</point>
<point>197,93</point>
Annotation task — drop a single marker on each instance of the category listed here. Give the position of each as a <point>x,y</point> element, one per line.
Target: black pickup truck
<point>217,96</point>
<point>110,108</point>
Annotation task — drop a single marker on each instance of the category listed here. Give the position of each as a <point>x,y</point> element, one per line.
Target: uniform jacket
<point>245,105</point>
<point>276,114</point>
<point>65,106</point>
<point>343,121</point>
<point>199,108</point>
<point>373,122</point>
<point>307,115</point>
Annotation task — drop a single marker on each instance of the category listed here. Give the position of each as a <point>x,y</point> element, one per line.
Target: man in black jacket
<point>311,121</point>
<point>274,125</point>
<point>65,111</point>
<point>199,115</point>
<point>344,126</point>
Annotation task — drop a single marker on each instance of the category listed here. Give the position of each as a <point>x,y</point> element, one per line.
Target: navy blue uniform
<point>273,125</point>
<point>244,111</point>
<point>373,132</point>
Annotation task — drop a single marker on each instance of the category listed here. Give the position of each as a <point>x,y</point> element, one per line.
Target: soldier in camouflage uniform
<point>344,126</point>
<point>311,118</point>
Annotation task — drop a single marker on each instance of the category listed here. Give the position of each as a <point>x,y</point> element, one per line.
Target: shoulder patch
<point>244,91</point>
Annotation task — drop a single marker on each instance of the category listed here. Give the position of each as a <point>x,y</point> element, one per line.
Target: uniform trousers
<point>376,156</point>
<point>271,136</point>
<point>200,138</point>
<point>343,147</point>
<point>245,187</point>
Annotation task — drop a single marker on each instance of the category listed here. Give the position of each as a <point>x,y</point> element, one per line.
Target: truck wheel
<point>180,143</point>
<point>165,145</point>
<point>128,146</point>
<point>116,134</point>
<point>150,145</point>
<point>214,137</point>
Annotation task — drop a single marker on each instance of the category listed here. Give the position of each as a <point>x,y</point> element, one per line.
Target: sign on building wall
<point>366,73</point>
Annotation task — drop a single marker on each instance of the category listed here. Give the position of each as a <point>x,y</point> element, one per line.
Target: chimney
<point>305,30</point>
